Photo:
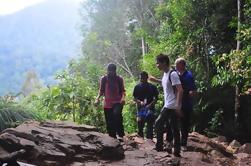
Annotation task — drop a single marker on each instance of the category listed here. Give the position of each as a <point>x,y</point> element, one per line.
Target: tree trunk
<point>74,109</point>
<point>143,46</point>
<point>237,104</point>
<point>239,25</point>
<point>237,88</point>
<point>141,24</point>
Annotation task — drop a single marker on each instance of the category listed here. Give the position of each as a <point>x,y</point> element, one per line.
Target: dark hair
<point>111,67</point>
<point>162,58</point>
<point>144,74</point>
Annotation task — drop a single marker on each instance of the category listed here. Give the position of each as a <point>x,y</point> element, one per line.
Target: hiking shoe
<point>184,148</point>
<point>120,139</point>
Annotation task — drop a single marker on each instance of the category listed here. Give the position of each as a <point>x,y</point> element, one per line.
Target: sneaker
<point>120,139</point>
<point>184,148</point>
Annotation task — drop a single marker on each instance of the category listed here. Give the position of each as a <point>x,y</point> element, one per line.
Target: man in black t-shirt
<point>145,95</point>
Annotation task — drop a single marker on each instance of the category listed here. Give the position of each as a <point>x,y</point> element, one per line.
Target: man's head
<point>162,62</point>
<point>180,64</point>
<point>111,69</point>
<point>143,77</point>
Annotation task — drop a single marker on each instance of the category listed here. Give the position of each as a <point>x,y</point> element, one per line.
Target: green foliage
<point>72,98</point>
<point>109,39</point>
<point>12,114</point>
<point>216,121</point>
<point>130,109</point>
<point>234,68</point>
<point>31,83</point>
<point>196,30</point>
<point>202,31</point>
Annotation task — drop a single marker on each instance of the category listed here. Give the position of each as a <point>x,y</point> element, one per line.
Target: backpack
<point>181,80</point>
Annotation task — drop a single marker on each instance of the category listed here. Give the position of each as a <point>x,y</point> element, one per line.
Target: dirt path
<point>201,151</point>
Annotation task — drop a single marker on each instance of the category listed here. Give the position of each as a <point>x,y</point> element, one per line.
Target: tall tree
<point>109,39</point>
<point>143,19</point>
<point>197,30</point>
<point>234,68</point>
<point>238,43</point>
<point>31,83</point>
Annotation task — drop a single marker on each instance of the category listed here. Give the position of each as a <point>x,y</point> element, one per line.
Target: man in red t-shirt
<point>112,88</point>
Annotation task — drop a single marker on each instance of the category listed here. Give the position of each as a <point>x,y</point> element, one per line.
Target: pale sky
<point>12,6</point>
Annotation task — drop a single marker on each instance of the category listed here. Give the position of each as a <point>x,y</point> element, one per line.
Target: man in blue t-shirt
<point>145,95</point>
<point>189,91</point>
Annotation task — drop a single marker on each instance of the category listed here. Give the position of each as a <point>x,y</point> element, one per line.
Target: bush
<point>130,109</point>
<point>12,114</point>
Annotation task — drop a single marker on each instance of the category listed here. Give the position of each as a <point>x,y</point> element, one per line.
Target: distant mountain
<point>43,38</point>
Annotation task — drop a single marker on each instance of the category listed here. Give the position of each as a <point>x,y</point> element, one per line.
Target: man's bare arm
<point>179,96</point>
<point>154,79</point>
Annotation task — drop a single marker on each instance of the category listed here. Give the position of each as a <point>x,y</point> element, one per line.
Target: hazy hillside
<point>42,37</point>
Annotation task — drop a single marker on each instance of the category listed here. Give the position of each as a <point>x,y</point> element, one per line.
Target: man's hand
<point>139,103</point>
<point>178,111</point>
<point>192,93</point>
<point>96,101</point>
<point>148,106</point>
<point>154,79</point>
<point>151,78</point>
<point>178,106</point>
<point>122,101</point>
<point>138,119</point>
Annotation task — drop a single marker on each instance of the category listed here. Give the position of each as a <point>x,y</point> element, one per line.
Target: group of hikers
<point>179,88</point>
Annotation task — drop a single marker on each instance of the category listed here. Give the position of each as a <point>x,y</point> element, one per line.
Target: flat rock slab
<point>60,143</point>
<point>201,151</point>
<point>68,144</point>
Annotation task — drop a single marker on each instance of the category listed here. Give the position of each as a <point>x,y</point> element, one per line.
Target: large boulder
<point>60,143</point>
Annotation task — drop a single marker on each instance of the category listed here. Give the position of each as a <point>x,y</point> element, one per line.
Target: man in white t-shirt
<point>172,103</point>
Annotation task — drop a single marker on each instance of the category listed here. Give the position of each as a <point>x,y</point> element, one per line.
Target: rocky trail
<point>68,144</point>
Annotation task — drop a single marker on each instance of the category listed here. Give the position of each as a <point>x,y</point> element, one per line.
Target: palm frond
<point>12,115</point>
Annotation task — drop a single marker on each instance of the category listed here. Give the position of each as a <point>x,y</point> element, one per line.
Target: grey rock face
<point>60,142</point>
